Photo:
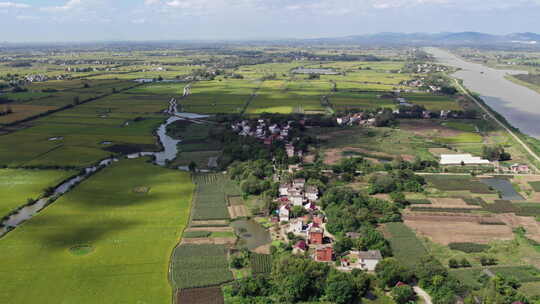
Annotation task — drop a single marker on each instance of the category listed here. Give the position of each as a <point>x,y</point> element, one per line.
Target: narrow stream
<point>26,212</point>
<point>170,150</point>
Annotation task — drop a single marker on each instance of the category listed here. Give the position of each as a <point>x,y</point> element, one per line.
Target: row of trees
<point>295,279</point>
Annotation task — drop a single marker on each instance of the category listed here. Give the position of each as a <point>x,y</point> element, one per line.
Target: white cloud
<point>71,4</point>
<point>13,5</point>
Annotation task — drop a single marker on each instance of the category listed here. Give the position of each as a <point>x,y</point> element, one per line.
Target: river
<point>170,150</point>
<point>518,104</point>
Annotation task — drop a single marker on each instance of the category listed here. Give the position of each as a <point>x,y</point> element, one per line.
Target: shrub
<point>488,261</point>
<point>469,247</point>
<point>453,263</point>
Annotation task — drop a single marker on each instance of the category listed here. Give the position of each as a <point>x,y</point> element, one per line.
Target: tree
<point>390,272</point>
<point>465,263</point>
<point>403,294</point>
<point>76,100</point>
<point>340,288</point>
<point>192,166</point>
<point>343,245</point>
<point>296,279</point>
<point>453,263</point>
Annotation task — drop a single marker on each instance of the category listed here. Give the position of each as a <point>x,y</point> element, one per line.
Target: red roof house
<point>324,254</point>
<point>316,237</point>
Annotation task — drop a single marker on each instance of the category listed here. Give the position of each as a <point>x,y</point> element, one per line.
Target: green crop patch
<point>261,263</point>
<point>469,247</point>
<point>196,234</point>
<point>211,196</point>
<point>200,266</point>
<point>535,186</point>
<point>458,183</point>
<point>405,245</point>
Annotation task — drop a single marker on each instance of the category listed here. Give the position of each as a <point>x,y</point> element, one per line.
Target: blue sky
<point>91,20</point>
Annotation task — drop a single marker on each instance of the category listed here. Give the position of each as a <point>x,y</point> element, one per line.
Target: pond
<point>505,187</point>
<point>251,233</point>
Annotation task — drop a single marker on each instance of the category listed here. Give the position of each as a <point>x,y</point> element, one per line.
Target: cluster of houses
<point>41,78</point>
<point>310,229</point>
<point>267,132</point>
<point>355,119</point>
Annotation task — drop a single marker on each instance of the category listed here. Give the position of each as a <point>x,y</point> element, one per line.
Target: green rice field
<point>103,242</point>
<point>20,185</point>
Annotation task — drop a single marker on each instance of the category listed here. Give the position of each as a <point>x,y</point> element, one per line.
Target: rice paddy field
<point>20,185</point>
<point>103,242</point>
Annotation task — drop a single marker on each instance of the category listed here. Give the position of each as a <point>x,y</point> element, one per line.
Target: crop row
<point>200,266</point>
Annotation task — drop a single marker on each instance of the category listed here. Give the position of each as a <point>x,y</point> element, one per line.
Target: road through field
<point>424,295</point>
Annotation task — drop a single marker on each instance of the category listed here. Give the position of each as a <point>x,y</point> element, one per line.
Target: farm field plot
<point>209,295</point>
<point>210,201</point>
<point>200,266</point>
<point>58,94</point>
<point>261,263</point>
<point>354,100</point>
<point>458,183</point>
<point>465,229</point>
<point>432,102</point>
<point>104,241</point>
<point>80,133</point>
<point>20,185</point>
<point>224,96</point>
<point>286,97</point>
<point>405,246</point>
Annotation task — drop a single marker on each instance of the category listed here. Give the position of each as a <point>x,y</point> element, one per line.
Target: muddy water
<point>518,104</point>
<point>251,233</point>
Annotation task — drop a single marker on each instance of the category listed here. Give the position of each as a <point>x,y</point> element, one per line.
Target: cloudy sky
<point>98,20</point>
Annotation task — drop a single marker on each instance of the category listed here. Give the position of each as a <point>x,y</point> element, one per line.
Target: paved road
<point>424,295</point>
<point>501,124</point>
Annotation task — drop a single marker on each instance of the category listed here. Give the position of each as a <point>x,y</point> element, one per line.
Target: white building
<point>459,159</point>
<point>284,213</point>
<point>365,260</point>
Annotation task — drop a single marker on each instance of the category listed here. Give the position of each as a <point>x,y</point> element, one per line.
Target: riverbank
<point>519,105</point>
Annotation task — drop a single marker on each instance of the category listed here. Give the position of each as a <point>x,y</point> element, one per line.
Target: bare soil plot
<point>529,223</point>
<point>264,249</point>
<point>457,229</point>
<point>237,211</point>
<point>209,295</point>
<point>449,202</point>
<point>333,156</point>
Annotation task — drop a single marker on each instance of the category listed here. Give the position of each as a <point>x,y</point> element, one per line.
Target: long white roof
<point>458,159</point>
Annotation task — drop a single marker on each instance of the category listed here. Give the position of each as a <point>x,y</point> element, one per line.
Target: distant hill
<point>461,38</point>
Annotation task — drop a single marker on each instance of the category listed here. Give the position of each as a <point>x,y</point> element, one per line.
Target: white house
<point>284,213</point>
<point>365,260</point>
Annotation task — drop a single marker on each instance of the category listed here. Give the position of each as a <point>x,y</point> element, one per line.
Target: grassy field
<point>103,242</point>
<point>20,185</point>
